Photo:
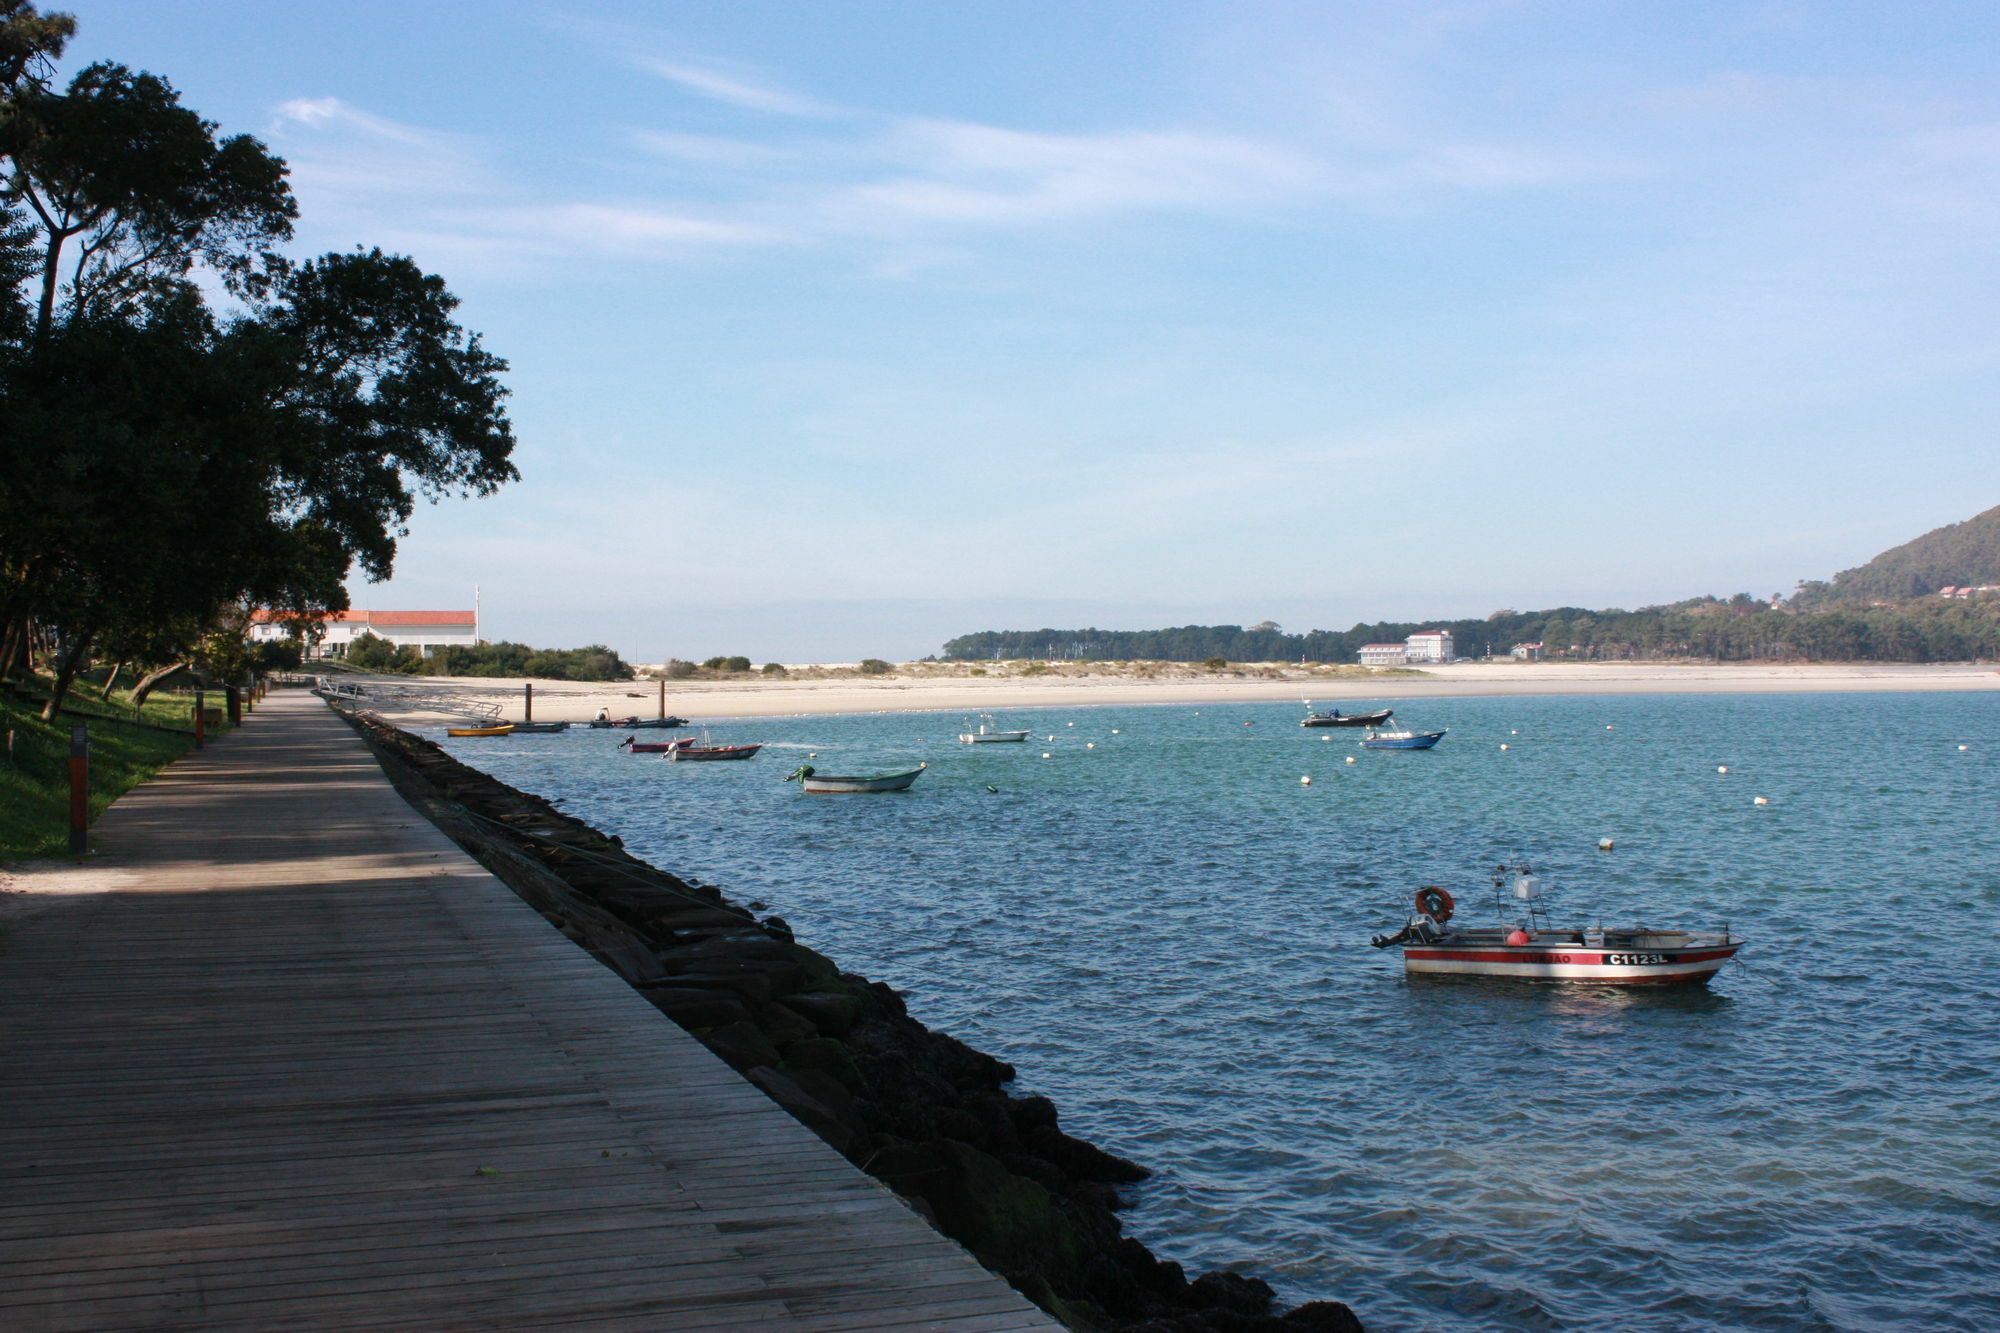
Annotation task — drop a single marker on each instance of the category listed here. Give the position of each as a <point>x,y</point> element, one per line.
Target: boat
<point>987,734</point>
<point>637,746</point>
<point>1402,740</point>
<point>539,728</point>
<point>1532,948</point>
<point>504,729</point>
<point>686,753</point>
<point>1336,718</point>
<point>638,723</point>
<point>812,781</point>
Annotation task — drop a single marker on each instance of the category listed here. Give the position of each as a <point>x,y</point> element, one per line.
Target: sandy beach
<point>416,699</point>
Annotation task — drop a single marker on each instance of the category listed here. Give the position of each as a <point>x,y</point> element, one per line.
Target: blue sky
<point>841,328</point>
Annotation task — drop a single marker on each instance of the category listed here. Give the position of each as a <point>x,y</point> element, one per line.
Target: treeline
<point>595,662</point>
<point>1957,554</point>
<point>194,423</point>
<point>1738,629</point>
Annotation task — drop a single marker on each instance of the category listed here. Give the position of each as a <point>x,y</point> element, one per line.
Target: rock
<point>1231,1291</point>
<point>816,964</point>
<point>1032,1113</point>
<point>732,947</point>
<point>808,1110</point>
<point>825,1054</point>
<point>785,1028</point>
<point>692,1008</point>
<point>741,1046</point>
<point>831,1012</point>
<point>1324,1316</point>
<point>753,986</point>
<point>1086,1161</point>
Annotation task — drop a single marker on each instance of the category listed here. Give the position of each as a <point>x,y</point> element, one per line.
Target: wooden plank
<point>251,1086</point>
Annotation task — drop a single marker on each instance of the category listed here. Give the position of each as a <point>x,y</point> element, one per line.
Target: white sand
<point>701,699</point>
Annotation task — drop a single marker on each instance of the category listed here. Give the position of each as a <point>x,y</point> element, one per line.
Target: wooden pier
<point>308,1067</point>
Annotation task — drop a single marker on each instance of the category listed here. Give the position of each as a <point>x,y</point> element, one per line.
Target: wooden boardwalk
<point>309,1067</point>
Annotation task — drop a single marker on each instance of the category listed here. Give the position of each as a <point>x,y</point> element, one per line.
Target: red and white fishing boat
<point>1534,949</point>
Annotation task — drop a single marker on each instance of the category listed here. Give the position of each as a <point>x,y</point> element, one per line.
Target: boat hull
<point>639,723</point>
<point>539,728</point>
<point>479,731</point>
<point>990,737</point>
<point>828,786</point>
<point>1607,966</point>
<point>1419,742</point>
<point>1349,719</point>
<point>658,747</point>
<point>689,754</point>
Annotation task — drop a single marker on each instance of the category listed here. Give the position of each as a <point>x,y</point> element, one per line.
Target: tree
<point>161,460</point>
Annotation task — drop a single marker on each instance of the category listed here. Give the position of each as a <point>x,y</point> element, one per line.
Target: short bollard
<point>200,726</point>
<point>79,788</point>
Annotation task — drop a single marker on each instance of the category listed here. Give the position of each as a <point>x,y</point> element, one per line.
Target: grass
<point>126,748</point>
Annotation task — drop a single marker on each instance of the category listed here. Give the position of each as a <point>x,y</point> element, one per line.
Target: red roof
<point>374,617</point>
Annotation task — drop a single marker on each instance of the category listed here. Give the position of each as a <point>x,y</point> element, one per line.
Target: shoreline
<point>713,700</point>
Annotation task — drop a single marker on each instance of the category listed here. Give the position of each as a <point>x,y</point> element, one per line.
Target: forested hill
<point>1741,628</point>
<point>1957,554</point>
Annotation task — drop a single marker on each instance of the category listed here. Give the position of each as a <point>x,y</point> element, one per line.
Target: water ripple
<point>1166,933</point>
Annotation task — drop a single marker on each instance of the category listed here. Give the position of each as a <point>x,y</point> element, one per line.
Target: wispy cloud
<point>734,91</point>
<point>957,172</point>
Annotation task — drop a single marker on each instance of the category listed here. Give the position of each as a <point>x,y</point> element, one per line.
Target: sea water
<point>1150,915</point>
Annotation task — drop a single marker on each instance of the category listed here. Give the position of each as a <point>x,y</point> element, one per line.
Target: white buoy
<point>1610,728</point>
<point>1045,754</point>
<point>1090,745</point>
<point>1306,781</point>
<point>1069,724</point>
<point>812,754</point>
<point>1965,747</point>
<point>1503,745</point>
<point>1761,800</point>
<point>1722,768</point>
<point>1328,738</point>
<point>1114,731</point>
<point>1052,739</point>
<point>1513,733</point>
<point>1604,844</point>
<point>1350,759</point>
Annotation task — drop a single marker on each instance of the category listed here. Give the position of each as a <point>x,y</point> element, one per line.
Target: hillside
<point>1957,554</point>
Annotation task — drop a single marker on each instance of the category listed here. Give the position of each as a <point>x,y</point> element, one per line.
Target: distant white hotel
<point>1528,652</point>
<point>1430,645</point>
<point>426,631</point>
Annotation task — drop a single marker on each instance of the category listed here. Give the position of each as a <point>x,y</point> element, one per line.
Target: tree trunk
<point>67,665</point>
<point>111,681</point>
<point>153,678</point>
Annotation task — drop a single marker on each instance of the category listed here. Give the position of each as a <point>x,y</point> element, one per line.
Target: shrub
<point>774,668</point>
<point>1217,664</point>
<point>976,671</point>
<point>875,666</point>
<point>675,669</point>
<point>735,664</point>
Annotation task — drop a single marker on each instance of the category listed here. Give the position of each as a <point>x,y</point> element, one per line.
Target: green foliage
<point>371,652</point>
<point>1957,555</point>
<point>775,669</point>
<point>727,664</point>
<point>276,444</point>
<point>594,662</point>
<point>1216,664</point>
<point>1739,628</point>
<point>875,666</point>
<point>675,669</point>
<point>125,750</point>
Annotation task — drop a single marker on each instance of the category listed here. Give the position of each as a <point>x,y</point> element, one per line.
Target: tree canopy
<point>190,419</point>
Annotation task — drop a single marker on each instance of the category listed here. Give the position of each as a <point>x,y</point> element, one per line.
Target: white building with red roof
<point>1428,645</point>
<point>425,631</point>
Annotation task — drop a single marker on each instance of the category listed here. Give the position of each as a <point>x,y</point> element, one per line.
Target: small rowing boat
<point>1402,740</point>
<point>539,728</point>
<point>1534,949</point>
<point>638,723</point>
<point>691,753</point>
<point>1336,718</point>
<point>986,734</point>
<point>504,729</point>
<point>637,746</point>
<point>822,783</point>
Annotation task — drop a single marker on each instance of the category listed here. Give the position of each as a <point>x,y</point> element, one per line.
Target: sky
<point>841,327</point>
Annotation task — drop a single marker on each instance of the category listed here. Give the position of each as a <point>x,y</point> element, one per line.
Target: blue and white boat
<point>1401,740</point>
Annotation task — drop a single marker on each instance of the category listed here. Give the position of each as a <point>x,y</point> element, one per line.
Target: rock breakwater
<point>920,1110</point>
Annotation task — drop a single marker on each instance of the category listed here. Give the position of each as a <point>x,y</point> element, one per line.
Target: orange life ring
<point>1435,903</point>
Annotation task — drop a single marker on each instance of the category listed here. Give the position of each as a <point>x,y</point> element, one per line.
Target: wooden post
<point>79,788</point>
<point>663,696</point>
<point>234,697</point>
<point>200,724</point>
<point>528,701</point>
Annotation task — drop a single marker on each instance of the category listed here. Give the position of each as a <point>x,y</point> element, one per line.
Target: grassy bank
<point>126,748</point>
